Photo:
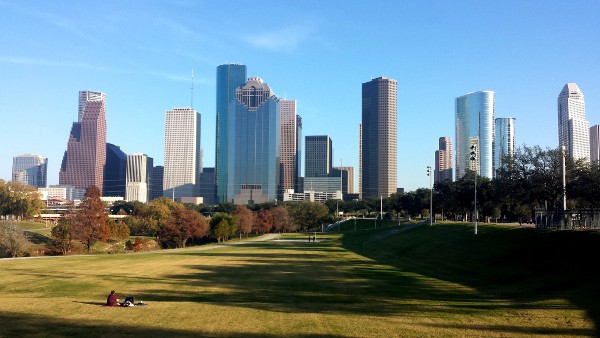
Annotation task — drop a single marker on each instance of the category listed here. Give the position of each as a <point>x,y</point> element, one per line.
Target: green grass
<point>392,281</point>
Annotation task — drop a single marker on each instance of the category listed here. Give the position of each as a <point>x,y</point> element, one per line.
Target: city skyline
<point>145,68</point>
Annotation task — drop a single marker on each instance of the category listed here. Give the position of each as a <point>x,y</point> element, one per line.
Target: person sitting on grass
<point>113,299</point>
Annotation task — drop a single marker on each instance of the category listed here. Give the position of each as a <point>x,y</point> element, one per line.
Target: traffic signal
<point>473,152</point>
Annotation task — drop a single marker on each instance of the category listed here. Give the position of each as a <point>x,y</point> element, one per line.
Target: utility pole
<point>474,159</point>
<point>430,196</point>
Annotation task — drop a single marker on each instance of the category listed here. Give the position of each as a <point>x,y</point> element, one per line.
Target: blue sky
<point>318,52</point>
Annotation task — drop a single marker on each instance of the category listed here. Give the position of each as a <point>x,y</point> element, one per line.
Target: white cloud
<point>288,38</point>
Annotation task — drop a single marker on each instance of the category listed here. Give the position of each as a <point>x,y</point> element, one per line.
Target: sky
<point>141,54</point>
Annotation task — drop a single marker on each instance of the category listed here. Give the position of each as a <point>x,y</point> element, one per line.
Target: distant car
<point>527,220</point>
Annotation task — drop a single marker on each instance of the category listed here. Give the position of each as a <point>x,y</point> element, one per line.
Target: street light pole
<point>564,178</point>
<point>430,196</point>
<point>474,159</point>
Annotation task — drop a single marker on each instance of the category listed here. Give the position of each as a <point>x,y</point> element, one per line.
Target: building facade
<point>156,184</point>
<point>347,176</point>
<point>318,156</point>
<point>115,172</point>
<point>573,128</point>
<point>443,160</point>
<point>229,78</point>
<point>299,186</point>
<point>475,127</point>
<point>66,192</point>
<point>379,137</point>
<point>288,146</point>
<point>208,189</point>
<point>183,158</point>
<point>253,147</point>
<point>504,140</point>
<point>31,170</point>
<point>83,162</point>
<point>139,177</point>
<point>595,143</point>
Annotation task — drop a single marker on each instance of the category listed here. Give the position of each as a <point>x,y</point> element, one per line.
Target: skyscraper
<point>595,143</point>
<point>139,175</point>
<point>347,176</point>
<point>504,140</point>
<point>443,160</point>
<point>83,162</point>
<point>229,78</point>
<point>288,150</point>
<point>379,142</point>
<point>360,160</point>
<point>115,172</point>
<point>31,170</point>
<point>182,153</point>
<point>573,128</point>
<point>253,144</point>
<point>156,184</point>
<point>318,156</point>
<point>298,186</point>
<point>475,127</point>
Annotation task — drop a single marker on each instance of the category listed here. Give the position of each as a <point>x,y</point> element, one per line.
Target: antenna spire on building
<point>192,90</point>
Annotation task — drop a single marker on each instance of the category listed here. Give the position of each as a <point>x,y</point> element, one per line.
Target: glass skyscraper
<point>229,78</point>
<point>504,140</point>
<point>253,144</point>
<point>115,172</point>
<point>475,126</point>
<point>31,170</point>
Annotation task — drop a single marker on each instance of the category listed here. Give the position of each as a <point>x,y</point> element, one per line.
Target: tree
<point>281,219</point>
<point>61,237</point>
<point>243,219</point>
<point>182,225</point>
<point>118,229</point>
<point>88,225</point>
<point>19,199</point>
<point>264,221</point>
<point>307,215</point>
<point>222,226</point>
<point>13,242</point>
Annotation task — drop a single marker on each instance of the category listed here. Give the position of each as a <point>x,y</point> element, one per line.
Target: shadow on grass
<point>31,325</point>
<point>521,265</point>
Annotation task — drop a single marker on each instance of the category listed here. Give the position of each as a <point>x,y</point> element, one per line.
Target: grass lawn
<point>382,282</point>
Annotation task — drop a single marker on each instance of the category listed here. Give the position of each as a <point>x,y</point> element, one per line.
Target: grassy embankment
<point>426,281</point>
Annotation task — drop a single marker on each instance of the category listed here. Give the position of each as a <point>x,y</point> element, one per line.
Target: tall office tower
<point>139,177</point>
<point>595,143</point>
<point>31,170</point>
<point>346,174</point>
<point>156,182</point>
<point>182,153</point>
<point>443,161</point>
<point>84,160</point>
<point>504,140</point>
<point>115,172</point>
<point>318,156</point>
<point>360,160</point>
<point>208,189</point>
<point>298,185</point>
<point>229,78</point>
<point>87,96</point>
<point>253,147</point>
<point>379,142</point>
<point>573,128</point>
<point>475,127</point>
<point>287,147</point>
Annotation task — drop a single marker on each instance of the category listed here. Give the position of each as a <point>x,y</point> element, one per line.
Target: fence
<point>567,219</point>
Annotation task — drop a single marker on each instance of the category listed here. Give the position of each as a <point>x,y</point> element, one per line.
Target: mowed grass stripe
<point>263,289</point>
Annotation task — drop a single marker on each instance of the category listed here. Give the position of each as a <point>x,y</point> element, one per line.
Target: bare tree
<point>13,242</point>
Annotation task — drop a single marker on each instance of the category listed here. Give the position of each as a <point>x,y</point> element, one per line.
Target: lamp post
<point>474,159</point>
<point>430,196</point>
<point>564,186</point>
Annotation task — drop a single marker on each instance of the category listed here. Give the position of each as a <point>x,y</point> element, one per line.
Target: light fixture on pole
<point>474,159</point>
<point>430,196</point>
